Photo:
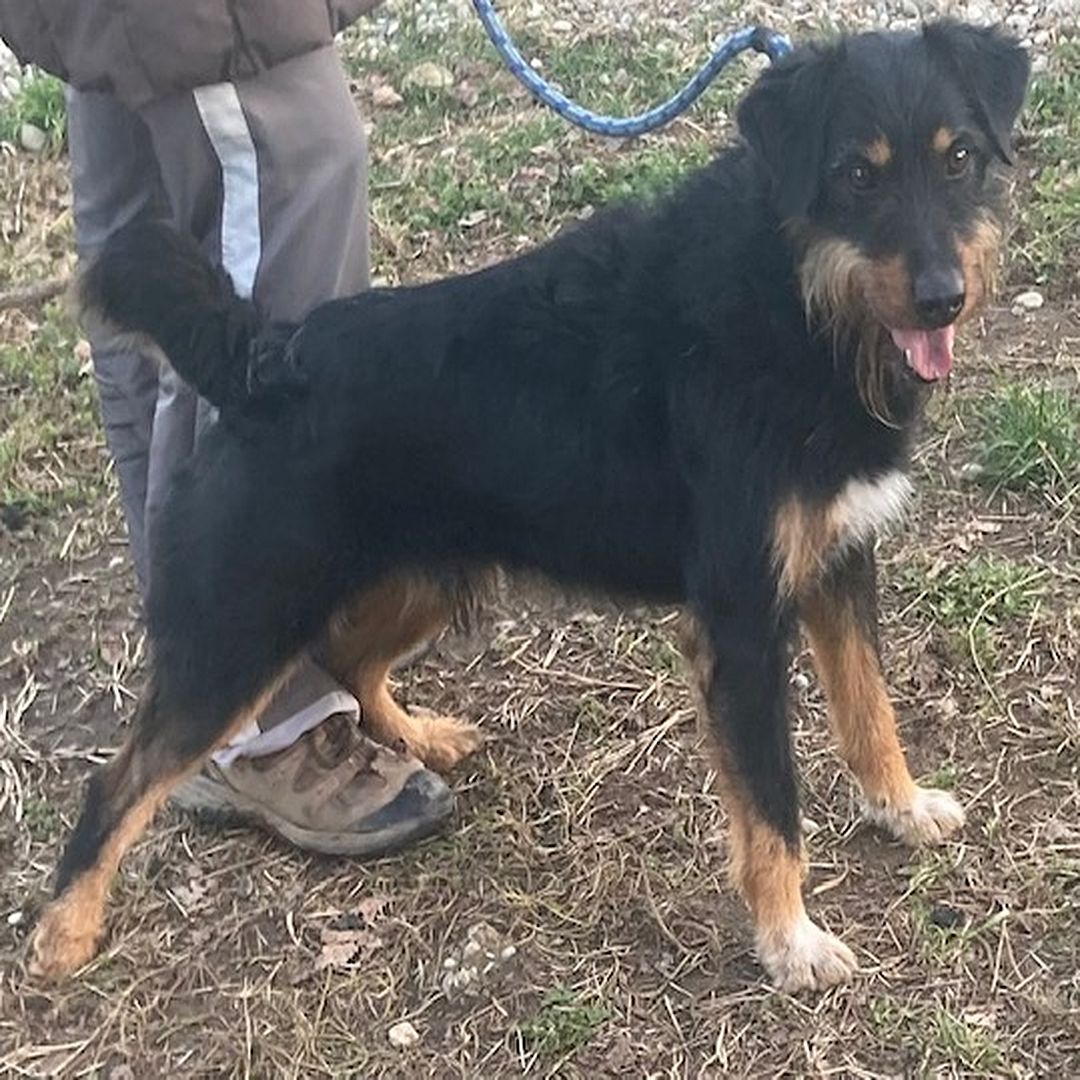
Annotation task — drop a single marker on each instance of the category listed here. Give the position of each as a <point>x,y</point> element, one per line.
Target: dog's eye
<point>861,175</point>
<point>958,161</point>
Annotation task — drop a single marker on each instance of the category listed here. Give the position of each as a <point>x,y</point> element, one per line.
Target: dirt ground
<point>582,882</point>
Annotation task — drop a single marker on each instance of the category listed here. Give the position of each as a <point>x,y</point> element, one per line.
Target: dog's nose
<point>939,297</point>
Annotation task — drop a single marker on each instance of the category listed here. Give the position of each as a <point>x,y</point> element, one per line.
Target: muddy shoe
<point>334,791</point>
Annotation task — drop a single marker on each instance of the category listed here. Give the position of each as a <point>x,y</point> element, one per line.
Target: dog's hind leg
<point>738,666</point>
<point>120,800</point>
<point>840,616</point>
<point>380,625</point>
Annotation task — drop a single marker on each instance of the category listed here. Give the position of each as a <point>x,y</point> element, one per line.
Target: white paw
<point>805,957</point>
<point>928,819</point>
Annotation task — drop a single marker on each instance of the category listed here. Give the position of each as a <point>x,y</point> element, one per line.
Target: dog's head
<point>886,154</point>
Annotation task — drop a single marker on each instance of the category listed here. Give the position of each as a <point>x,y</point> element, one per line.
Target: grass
<point>39,101</point>
<point>513,168</point>
<point>1049,235</point>
<point>563,1024</point>
<point>1030,439</point>
<point>938,1039</point>
<point>34,440</point>
<point>976,601</point>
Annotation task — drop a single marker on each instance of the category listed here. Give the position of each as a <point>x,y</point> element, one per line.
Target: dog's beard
<point>832,279</point>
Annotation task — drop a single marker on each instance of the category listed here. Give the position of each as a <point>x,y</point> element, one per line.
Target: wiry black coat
<point>621,409</point>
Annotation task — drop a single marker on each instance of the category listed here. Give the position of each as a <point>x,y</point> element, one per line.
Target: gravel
<point>10,73</point>
<point>1038,23</point>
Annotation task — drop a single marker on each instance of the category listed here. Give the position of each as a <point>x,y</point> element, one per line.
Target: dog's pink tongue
<point>928,352</point>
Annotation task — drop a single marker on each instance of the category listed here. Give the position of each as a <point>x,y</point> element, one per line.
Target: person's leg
<point>269,175</point>
<point>115,180</point>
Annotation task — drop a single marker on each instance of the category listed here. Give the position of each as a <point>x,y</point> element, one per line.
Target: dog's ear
<point>991,68</point>
<point>784,118</point>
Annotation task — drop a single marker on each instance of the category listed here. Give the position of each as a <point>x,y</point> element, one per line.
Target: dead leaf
<point>384,96</point>
<point>371,907</point>
<point>340,947</point>
<point>467,93</point>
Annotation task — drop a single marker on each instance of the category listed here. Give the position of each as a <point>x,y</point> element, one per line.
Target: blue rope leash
<point>759,38</point>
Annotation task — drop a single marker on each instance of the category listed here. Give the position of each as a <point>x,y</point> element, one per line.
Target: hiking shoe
<point>334,791</point>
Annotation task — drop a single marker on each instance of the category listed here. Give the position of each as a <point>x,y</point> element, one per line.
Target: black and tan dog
<point>707,402</point>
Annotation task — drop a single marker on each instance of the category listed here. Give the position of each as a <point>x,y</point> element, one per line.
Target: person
<point>233,121</point>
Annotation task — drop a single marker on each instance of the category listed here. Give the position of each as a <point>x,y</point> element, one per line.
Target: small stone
<point>1031,300</point>
<point>430,76</point>
<point>562,26</point>
<point>508,953</point>
<point>32,138</point>
<point>450,963</point>
<point>83,356</point>
<point>945,917</point>
<point>403,1035</point>
<point>16,918</point>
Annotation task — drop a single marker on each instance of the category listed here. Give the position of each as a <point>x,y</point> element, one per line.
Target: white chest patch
<point>864,507</point>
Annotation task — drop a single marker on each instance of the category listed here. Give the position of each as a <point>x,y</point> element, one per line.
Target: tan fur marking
<point>829,276</point>
<point>942,140</point>
<point>761,866</point>
<point>70,928</point>
<point>802,537</point>
<point>887,286</point>
<point>797,954</point>
<point>879,152</point>
<point>860,712</point>
<point>979,262</point>
<point>376,628</point>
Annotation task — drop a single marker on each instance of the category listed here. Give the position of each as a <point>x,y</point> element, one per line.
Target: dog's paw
<point>62,942</point>
<point>445,740</point>
<point>931,816</point>
<point>805,957</point>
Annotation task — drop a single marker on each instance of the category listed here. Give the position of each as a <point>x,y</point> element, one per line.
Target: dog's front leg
<point>739,664</point>
<point>840,616</point>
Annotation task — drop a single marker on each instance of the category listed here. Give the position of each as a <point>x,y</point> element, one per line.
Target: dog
<point>707,401</point>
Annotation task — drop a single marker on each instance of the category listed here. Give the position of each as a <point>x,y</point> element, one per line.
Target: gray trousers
<point>270,177</point>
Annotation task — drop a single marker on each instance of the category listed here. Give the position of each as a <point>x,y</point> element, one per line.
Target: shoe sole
<point>205,797</point>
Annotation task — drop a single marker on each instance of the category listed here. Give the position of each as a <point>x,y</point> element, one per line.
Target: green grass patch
<point>39,101</point>
<point>646,173</point>
<point>48,405</point>
<point>41,818</point>
<point>974,601</point>
<point>564,1023</point>
<point>504,165</point>
<point>522,178</point>
<point>947,940</point>
<point>1049,235</point>
<point>1030,439</point>
<point>937,1037</point>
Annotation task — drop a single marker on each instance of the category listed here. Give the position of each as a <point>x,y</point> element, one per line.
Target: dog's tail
<point>151,280</point>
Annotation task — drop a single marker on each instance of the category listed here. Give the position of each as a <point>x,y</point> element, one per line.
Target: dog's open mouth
<point>929,353</point>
